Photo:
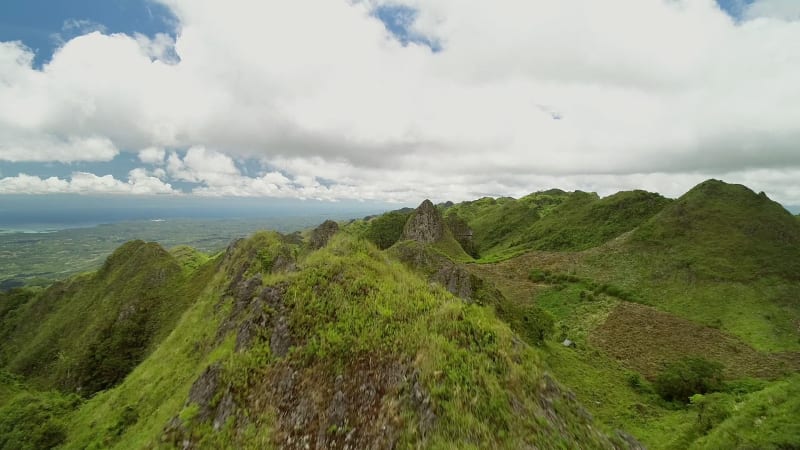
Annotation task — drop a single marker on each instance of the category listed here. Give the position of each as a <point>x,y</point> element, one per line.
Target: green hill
<point>87,333</point>
<point>725,231</point>
<point>587,322</point>
<point>343,348</point>
<point>716,269</point>
<point>553,220</point>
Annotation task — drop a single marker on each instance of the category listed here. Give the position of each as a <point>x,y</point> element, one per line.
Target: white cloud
<point>773,9</point>
<point>152,155</point>
<point>648,91</point>
<point>202,166</point>
<point>139,183</point>
<point>44,147</point>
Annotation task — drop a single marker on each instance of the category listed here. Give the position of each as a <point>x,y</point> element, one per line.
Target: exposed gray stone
<point>425,225</point>
<point>323,233</point>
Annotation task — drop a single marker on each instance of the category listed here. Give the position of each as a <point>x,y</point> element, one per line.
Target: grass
<point>347,305</point>
<point>556,220</point>
<point>722,231</point>
<point>124,311</point>
<point>360,321</point>
<point>28,259</point>
<point>767,419</point>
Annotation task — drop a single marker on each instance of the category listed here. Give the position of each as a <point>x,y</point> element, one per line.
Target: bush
<point>712,410</point>
<point>689,376</point>
<point>534,324</point>
<point>538,276</point>
<point>386,229</point>
<point>34,420</point>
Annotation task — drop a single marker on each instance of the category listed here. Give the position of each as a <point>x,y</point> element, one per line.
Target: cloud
<point>335,106</point>
<point>152,155</point>
<point>139,183</point>
<point>773,9</point>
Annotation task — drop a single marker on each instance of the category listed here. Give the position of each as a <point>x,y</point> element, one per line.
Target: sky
<point>396,101</point>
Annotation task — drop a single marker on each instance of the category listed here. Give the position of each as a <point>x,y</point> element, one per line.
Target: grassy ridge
<point>725,231</point>
<point>454,376</point>
<point>553,220</point>
<point>279,346</point>
<point>86,334</point>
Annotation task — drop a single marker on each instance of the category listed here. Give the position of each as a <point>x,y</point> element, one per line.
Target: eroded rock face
<point>361,408</point>
<point>425,225</point>
<point>323,233</point>
<point>457,280</point>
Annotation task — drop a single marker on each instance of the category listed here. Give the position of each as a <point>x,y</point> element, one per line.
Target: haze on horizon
<point>396,101</point>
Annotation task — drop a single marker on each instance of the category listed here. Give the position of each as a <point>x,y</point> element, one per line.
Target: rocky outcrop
<point>322,234</point>
<point>462,233</point>
<point>425,225</point>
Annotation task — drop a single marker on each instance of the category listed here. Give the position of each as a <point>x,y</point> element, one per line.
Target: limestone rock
<point>425,225</point>
<point>323,233</point>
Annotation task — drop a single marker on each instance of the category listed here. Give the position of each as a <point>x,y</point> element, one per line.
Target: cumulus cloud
<point>139,183</point>
<point>152,155</point>
<point>521,93</point>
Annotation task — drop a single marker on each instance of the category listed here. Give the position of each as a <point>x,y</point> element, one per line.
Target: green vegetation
<point>87,333</point>
<point>497,221</point>
<point>681,320</point>
<point>35,420</point>
<point>386,229</point>
<point>455,368</point>
<point>28,259</point>
<point>688,376</point>
<point>721,288</point>
<point>767,419</point>
<point>722,231</point>
<point>553,220</point>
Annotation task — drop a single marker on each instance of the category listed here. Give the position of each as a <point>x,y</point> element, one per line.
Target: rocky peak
<point>322,234</point>
<point>425,225</point>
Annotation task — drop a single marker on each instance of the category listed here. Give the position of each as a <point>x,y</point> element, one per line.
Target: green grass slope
<point>85,334</point>
<point>346,348</point>
<point>495,222</point>
<point>716,269</point>
<point>554,220</point>
<point>725,231</point>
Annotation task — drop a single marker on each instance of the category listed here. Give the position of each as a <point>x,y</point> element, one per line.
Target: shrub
<point>712,409</point>
<point>34,420</point>
<point>386,229</point>
<point>534,324</point>
<point>686,377</point>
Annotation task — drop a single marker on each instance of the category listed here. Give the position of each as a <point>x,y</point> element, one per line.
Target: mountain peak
<point>425,224</point>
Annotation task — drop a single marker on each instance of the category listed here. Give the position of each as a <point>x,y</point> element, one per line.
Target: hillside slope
<point>284,347</point>
<point>85,334</point>
<point>725,231</point>
<point>553,220</point>
<point>716,269</point>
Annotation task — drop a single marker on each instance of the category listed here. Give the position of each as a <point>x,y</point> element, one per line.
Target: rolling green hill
<point>281,346</point>
<point>584,322</point>
<point>725,231</point>
<point>553,220</point>
<point>87,333</point>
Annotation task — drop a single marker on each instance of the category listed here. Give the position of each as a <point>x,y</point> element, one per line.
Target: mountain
<point>276,345</point>
<point>557,320</point>
<point>721,230</point>
<point>554,220</point>
<point>87,333</point>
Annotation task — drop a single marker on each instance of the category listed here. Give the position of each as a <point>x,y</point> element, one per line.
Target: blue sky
<point>43,25</point>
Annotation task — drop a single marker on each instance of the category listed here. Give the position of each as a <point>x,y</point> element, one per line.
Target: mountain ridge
<point>387,332</point>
